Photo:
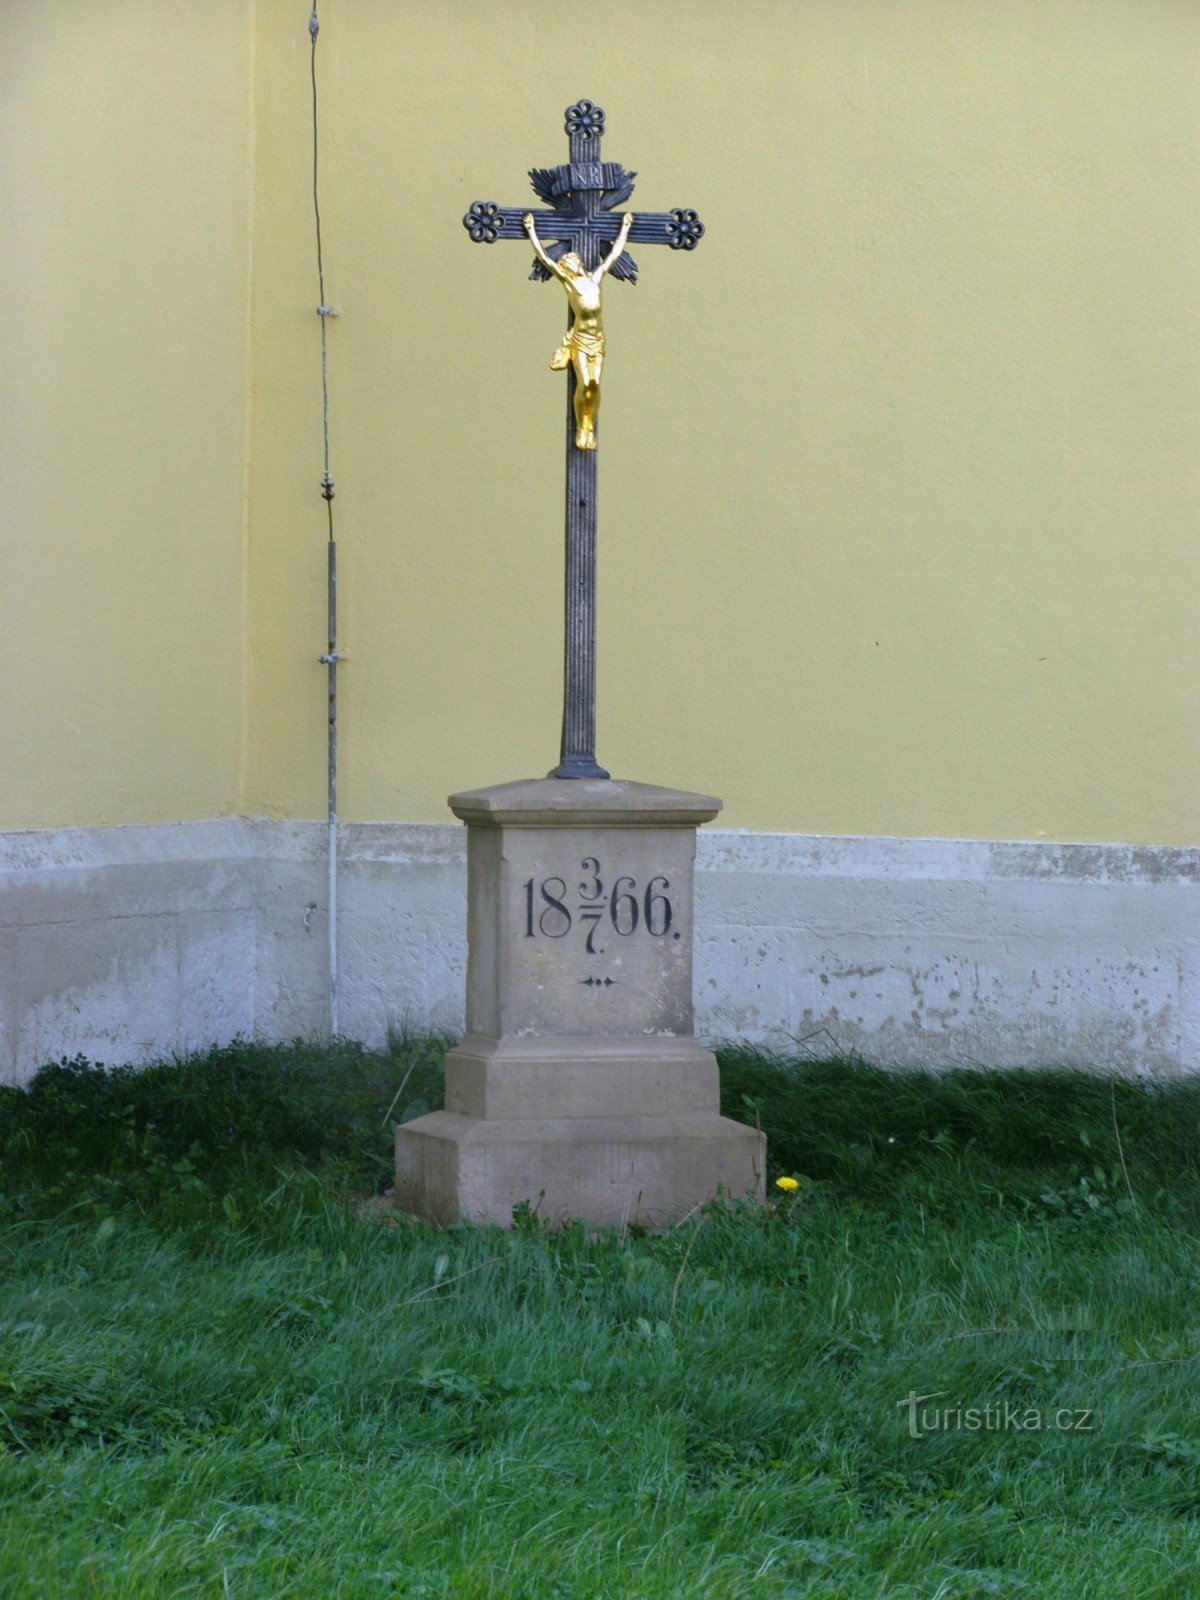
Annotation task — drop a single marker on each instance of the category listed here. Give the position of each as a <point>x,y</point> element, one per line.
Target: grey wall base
<point>129,943</point>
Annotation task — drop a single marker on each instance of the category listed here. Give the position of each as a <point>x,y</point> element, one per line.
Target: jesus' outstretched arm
<point>539,249</point>
<point>614,255</point>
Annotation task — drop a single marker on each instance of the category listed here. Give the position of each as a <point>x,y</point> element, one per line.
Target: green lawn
<point>225,1370</point>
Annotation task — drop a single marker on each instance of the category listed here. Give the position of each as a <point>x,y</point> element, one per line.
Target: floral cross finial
<point>585,120</point>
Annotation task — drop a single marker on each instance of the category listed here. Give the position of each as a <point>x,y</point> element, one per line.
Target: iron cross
<point>583,195</point>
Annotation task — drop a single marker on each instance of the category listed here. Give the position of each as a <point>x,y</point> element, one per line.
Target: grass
<point>226,1370</point>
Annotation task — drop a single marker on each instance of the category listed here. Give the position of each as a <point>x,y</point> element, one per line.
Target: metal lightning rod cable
<point>333,655</point>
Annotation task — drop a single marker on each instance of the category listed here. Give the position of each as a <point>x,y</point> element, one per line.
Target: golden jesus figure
<point>583,343</point>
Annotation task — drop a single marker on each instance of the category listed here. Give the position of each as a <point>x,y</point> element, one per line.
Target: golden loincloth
<point>588,344</point>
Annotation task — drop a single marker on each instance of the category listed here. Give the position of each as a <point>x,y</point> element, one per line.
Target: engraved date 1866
<point>628,908</point>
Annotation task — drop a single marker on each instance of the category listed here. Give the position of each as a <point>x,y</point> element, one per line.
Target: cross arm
<point>681,229</point>
<point>486,222</point>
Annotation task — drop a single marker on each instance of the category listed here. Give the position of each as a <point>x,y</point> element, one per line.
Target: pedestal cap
<point>582,802</point>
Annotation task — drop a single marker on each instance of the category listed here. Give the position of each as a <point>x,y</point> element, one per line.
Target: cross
<point>582,195</point>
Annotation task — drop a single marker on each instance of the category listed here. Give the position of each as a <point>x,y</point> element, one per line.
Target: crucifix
<point>580,240</point>
<point>579,1083</point>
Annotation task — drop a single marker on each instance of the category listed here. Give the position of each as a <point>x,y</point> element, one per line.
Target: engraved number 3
<point>595,889</point>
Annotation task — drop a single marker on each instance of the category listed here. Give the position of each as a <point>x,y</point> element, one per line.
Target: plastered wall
<point>898,474</point>
<point>898,483</point>
<point>125,153</point>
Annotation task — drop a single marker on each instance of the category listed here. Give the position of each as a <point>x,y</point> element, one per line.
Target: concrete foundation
<point>130,943</point>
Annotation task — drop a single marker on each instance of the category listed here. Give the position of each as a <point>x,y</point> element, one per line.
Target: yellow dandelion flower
<point>787,1184</point>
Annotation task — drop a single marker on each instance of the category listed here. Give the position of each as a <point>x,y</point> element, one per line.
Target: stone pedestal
<point>579,1087</point>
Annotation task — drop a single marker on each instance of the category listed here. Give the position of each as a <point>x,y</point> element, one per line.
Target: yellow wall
<point>898,495</point>
<point>897,483</point>
<point>124,232</point>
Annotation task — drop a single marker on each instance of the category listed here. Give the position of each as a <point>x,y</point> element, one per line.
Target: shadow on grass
<point>203,1125</point>
<point>884,1135</point>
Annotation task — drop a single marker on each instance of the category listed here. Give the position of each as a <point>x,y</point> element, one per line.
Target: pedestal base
<point>579,1087</point>
<point>611,1171</point>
